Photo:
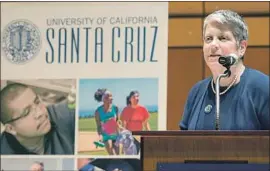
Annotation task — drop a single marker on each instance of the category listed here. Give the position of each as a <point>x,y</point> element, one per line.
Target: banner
<point>78,59</point>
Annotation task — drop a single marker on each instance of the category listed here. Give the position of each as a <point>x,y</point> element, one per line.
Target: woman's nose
<point>214,45</point>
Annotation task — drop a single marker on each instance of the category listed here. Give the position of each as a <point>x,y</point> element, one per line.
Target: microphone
<point>229,60</point>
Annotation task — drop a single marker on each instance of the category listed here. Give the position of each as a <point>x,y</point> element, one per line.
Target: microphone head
<point>222,60</point>
<point>228,60</point>
<point>234,56</point>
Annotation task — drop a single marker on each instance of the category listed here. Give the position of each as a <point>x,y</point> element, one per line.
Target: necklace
<point>212,85</point>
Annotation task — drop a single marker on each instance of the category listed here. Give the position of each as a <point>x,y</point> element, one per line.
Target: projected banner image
<point>38,116</point>
<point>110,109</point>
<point>103,164</point>
<point>113,53</point>
<point>36,164</point>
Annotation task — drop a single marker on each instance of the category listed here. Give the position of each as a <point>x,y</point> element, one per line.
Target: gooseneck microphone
<point>229,60</point>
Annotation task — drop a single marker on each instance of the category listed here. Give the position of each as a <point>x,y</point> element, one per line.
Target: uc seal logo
<point>21,41</point>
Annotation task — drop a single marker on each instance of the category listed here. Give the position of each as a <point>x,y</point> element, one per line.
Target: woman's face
<point>134,100</point>
<point>108,98</point>
<point>219,41</point>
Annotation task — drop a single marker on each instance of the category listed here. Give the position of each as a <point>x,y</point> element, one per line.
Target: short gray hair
<point>235,22</point>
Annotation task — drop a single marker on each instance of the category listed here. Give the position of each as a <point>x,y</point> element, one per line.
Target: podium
<point>203,147</point>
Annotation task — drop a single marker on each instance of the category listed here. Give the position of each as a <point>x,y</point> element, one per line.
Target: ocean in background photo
<point>89,113</point>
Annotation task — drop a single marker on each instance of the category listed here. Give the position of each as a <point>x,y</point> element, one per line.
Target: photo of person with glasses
<point>32,127</point>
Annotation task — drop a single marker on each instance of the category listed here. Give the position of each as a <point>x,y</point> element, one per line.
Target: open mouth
<point>215,56</point>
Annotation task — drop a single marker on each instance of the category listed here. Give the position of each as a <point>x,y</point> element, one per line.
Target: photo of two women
<point>107,120</point>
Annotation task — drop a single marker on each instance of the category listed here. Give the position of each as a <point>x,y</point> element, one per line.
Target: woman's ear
<point>242,48</point>
<point>10,129</point>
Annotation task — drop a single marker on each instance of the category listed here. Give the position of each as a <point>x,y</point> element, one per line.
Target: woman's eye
<point>223,38</point>
<point>208,39</point>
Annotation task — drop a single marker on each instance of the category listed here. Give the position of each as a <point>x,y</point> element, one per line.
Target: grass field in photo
<point>89,124</point>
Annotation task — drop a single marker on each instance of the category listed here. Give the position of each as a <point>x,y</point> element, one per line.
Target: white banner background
<point>151,17</point>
